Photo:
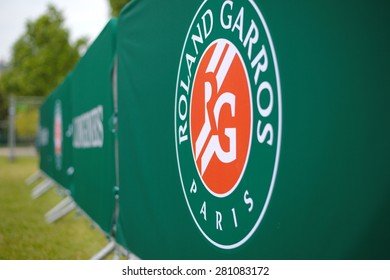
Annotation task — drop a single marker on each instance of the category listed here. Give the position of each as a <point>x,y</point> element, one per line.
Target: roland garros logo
<point>58,134</point>
<point>228,120</point>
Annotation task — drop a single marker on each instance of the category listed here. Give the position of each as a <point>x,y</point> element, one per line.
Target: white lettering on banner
<point>197,39</point>
<point>43,136</point>
<point>265,132</point>
<point>88,129</point>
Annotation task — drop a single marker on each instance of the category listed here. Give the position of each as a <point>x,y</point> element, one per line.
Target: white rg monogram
<point>208,142</point>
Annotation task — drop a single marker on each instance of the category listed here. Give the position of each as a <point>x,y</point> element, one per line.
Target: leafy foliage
<point>41,57</point>
<point>3,102</point>
<point>117,5</point>
<point>26,121</point>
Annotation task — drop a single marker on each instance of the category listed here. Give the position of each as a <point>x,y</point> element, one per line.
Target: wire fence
<point>20,128</point>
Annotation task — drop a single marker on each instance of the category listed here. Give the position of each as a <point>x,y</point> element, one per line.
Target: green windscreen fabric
<point>45,137</point>
<point>93,137</point>
<point>154,219</point>
<point>61,148</point>
<point>314,183</point>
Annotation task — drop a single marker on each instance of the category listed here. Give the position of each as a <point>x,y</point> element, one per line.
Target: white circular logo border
<point>276,166</point>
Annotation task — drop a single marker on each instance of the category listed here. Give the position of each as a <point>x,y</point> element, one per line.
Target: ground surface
<point>23,231</point>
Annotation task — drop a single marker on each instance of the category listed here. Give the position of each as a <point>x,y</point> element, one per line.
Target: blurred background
<point>40,42</point>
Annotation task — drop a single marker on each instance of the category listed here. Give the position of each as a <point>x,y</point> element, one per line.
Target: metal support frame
<point>112,246</point>
<point>11,128</point>
<point>41,188</point>
<point>13,101</point>
<point>117,249</point>
<point>103,253</point>
<point>33,177</point>
<point>128,253</point>
<point>131,256</point>
<point>115,131</point>
<point>60,210</point>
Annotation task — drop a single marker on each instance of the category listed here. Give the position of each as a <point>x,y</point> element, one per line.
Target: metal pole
<point>11,128</point>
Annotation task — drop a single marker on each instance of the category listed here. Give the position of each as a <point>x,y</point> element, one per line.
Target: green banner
<point>93,137</point>
<point>154,219</point>
<point>45,139</point>
<point>61,148</point>
<point>253,130</point>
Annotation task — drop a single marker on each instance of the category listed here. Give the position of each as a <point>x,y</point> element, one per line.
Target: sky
<point>82,18</point>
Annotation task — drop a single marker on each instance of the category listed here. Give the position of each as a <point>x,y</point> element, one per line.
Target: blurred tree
<point>24,118</point>
<point>41,57</point>
<point>3,102</point>
<point>117,5</point>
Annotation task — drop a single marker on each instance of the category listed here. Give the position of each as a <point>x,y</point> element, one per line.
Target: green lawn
<point>23,231</point>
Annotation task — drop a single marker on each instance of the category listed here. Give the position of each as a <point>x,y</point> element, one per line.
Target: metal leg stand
<point>60,210</point>
<point>33,178</point>
<point>105,251</point>
<point>41,188</point>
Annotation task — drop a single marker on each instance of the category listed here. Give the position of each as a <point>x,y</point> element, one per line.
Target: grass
<point>24,234</point>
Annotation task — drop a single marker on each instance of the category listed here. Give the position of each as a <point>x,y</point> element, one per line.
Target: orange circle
<point>221,117</point>
<point>58,134</point>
